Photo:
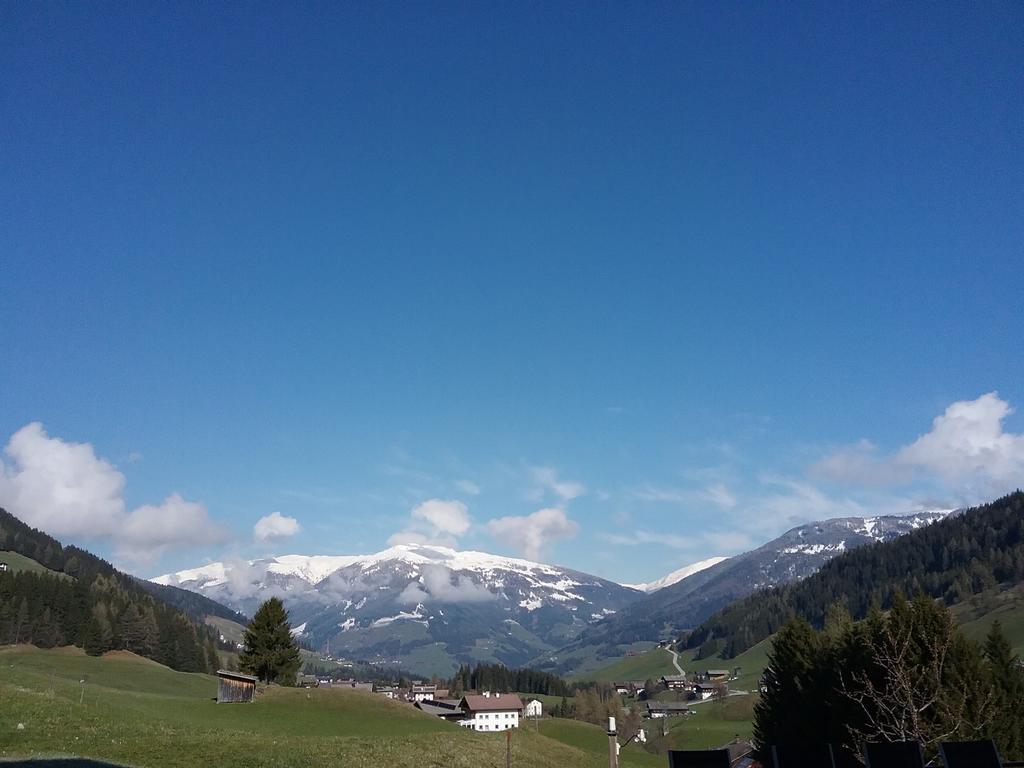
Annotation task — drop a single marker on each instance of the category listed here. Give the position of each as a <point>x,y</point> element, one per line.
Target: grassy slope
<point>977,615</point>
<point>654,663</point>
<point>713,724</point>
<point>592,740</point>
<point>140,713</point>
<point>232,630</point>
<point>21,563</point>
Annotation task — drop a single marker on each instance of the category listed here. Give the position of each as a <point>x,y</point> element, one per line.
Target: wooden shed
<point>235,688</point>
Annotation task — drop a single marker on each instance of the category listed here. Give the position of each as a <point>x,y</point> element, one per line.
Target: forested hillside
<point>952,559</point>
<point>197,607</point>
<point>98,608</point>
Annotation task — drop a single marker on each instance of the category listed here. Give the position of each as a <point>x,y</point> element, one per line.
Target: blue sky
<point>683,275</point>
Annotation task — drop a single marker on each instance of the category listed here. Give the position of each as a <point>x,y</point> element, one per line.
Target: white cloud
<point>967,451</point>
<point>275,526</point>
<point>441,585</point>
<point>435,521</point>
<point>967,444</point>
<point>450,517</point>
<point>150,529</point>
<point>532,533</point>
<point>60,487</point>
<point>65,489</point>
<point>546,480</point>
<point>468,487</point>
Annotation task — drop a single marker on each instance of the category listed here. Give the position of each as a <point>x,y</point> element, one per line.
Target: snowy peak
<point>313,569</point>
<point>677,575</point>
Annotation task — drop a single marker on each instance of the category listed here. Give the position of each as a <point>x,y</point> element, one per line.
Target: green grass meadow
<point>21,563</point>
<point>134,712</point>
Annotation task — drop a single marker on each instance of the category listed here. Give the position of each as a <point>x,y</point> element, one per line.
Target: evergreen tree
<point>270,651</point>
<point>1007,679</point>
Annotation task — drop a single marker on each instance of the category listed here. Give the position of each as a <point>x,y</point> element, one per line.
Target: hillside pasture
<point>132,711</point>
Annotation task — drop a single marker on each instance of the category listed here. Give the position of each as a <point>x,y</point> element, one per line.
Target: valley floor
<point>131,711</point>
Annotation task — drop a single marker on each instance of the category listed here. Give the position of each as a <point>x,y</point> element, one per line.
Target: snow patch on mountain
<point>677,575</point>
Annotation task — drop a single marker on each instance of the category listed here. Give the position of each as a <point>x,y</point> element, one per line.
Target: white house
<point>703,691</point>
<point>423,692</point>
<point>534,708</point>
<point>490,712</point>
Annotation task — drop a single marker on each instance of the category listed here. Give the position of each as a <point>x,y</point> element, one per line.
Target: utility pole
<point>613,744</point>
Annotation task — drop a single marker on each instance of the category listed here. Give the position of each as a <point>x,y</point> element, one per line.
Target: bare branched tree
<point>913,693</point>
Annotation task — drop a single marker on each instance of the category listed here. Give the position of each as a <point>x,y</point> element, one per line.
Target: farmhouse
<point>4,567</point>
<point>490,712</point>
<point>702,691</point>
<point>386,691</point>
<point>666,708</point>
<point>533,708</point>
<point>675,682</point>
<point>623,688</point>
<point>716,675</point>
<point>233,687</point>
<point>423,692</point>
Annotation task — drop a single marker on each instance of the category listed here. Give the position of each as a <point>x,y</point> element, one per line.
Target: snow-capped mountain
<point>427,608</point>
<point>677,575</point>
<point>794,555</point>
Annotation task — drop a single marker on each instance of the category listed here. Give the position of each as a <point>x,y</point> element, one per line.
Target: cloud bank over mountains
<point>968,455</point>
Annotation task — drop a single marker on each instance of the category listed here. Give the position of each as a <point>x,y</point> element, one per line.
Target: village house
<point>491,712</point>
<point>623,688</point>
<point>716,675</point>
<point>655,709</point>
<point>386,691</point>
<point>533,708</point>
<point>423,692</point>
<point>703,691</point>
<point>4,567</point>
<point>675,682</point>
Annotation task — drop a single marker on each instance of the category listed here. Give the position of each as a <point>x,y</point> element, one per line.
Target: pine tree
<point>1007,680</point>
<point>93,642</point>
<point>270,651</point>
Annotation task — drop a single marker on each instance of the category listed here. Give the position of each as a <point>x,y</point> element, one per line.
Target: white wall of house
<point>492,721</point>
<point>423,696</point>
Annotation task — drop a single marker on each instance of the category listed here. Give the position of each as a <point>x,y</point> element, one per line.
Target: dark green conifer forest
<point>905,675</point>
<point>98,608</point>
<point>952,559</point>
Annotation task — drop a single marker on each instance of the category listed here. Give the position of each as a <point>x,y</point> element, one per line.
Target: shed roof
<point>237,676</point>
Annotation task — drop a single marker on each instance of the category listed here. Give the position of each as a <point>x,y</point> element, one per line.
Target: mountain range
<point>428,608</point>
<point>794,555</point>
<point>431,608</point>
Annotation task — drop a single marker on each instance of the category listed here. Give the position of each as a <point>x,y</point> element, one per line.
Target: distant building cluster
<point>478,711</point>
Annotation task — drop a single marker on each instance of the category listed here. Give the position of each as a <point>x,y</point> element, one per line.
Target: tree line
<point>498,677</point>
<point>93,606</point>
<point>905,675</point>
<point>952,559</point>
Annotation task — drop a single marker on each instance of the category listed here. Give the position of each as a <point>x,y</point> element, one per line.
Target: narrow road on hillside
<point>675,661</point>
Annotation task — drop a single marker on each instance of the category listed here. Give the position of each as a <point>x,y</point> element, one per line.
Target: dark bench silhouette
<point>803,756</point>
<point>896,754</point>
<point>698,758</point>
<point>970,754</point>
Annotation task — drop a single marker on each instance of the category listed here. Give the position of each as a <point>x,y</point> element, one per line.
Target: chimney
<point>497,695</point>
<point>487,694</point>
